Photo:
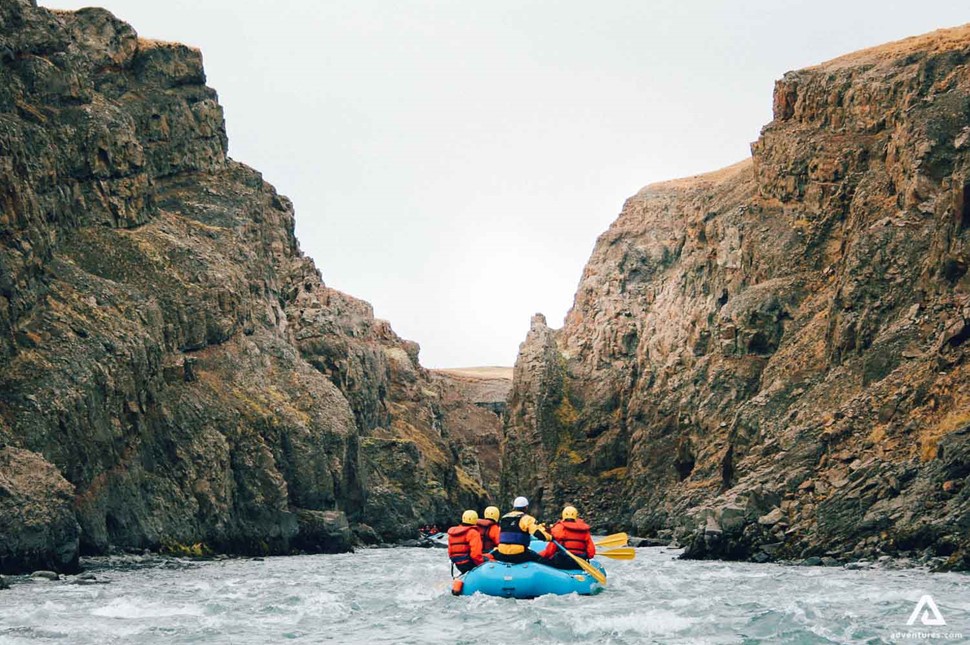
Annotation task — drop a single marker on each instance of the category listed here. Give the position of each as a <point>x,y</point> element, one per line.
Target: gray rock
<point>323,532</point>
<point>3,583</point>
<point>364,534</point>
<point>812,561</point>
<point>45,575</point>
<point>731,518</point>
<point>37,521</point>
<point>771,548</point>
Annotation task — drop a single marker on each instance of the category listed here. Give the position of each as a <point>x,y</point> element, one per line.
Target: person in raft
<point>465,543</point>
<point>515,534</point>
<point>488,528</point>
<point>574,534</point>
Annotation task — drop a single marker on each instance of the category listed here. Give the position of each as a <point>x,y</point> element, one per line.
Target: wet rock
<point>365,534</point>
<point>812,561</point>
<point>45,575</point>
<point>642,542</point>
<point>323,532</point>
<point>37,522</point>
<point>86,579</point>
<point>3,583</point>
<point>771,548</point>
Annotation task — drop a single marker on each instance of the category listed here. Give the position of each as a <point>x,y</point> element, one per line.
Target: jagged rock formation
<point>172,368</point>
<point>770,361</point>
<point>478,428</point>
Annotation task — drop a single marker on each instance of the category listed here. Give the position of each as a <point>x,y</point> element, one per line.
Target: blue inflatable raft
<point>529,579</point>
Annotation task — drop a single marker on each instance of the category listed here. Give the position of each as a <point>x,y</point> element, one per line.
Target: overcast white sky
<point>453,162</point>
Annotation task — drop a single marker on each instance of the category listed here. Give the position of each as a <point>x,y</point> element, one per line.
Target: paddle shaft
<point>583,564</point>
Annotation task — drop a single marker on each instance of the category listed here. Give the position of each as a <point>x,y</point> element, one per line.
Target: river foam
<point>402,596</point>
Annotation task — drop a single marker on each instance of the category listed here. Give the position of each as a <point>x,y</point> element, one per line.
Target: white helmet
<point>520,502</point>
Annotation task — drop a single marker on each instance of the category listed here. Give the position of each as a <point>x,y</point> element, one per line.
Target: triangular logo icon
<point>930,614</point>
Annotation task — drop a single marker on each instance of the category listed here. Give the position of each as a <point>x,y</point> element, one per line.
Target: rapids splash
<point>403,596</point>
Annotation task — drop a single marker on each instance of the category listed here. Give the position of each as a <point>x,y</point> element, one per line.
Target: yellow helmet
<point>570,513</point>
<point>492,513</point>
<point>469,517</point>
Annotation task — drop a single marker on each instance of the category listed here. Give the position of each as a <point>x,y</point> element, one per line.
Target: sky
<point>453,163</point>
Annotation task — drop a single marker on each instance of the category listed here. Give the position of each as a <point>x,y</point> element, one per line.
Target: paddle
<point>583,564</point>
<point>617,539</point>
<point>622,553</point>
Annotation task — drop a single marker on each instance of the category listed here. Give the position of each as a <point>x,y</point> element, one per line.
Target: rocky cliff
<point>478,427</point>
<point>172,369</point>
<point>771,361</point>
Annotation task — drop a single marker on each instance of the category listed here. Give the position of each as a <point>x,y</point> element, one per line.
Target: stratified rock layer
<point>172,368</point>
<point>771,360</point>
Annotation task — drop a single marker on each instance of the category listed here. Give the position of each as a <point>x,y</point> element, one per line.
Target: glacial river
<point>402,596</point>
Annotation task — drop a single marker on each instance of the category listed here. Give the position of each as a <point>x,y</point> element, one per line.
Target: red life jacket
<point>459,549</point>
<point>484,527</point>
<point>573,535</point>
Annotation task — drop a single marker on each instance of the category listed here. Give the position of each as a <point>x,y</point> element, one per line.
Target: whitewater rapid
<point>403,596</point>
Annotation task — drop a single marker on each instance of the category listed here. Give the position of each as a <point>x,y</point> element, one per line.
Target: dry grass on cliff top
<point>501,373</point>
<point>706,180</point>
<point>931,44</point>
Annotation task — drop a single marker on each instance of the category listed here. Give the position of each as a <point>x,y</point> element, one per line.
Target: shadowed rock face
<point>172,368</point>
<point>771,360</point>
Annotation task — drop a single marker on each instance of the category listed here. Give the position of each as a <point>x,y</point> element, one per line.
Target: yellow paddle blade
<point>622,553</point>
<point>617,539</point>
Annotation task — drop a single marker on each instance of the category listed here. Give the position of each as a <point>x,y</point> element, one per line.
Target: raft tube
<point>529,580</point>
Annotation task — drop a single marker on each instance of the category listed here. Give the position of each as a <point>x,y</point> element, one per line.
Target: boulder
<point>38,529</point>
<point>323,532</point>
<point>772,518</point>
<point>642,542</point>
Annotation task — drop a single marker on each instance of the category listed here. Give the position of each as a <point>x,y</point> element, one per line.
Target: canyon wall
<point>173,369</point>
<point>770,361</point>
